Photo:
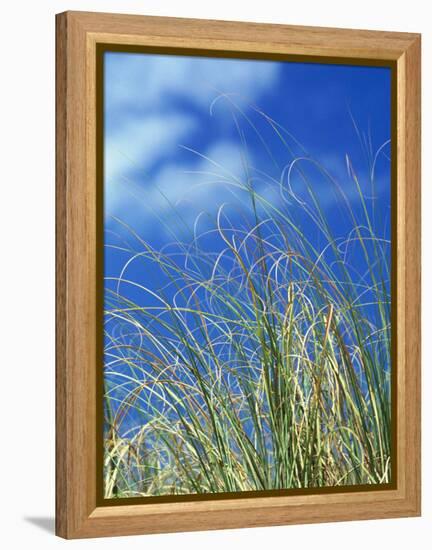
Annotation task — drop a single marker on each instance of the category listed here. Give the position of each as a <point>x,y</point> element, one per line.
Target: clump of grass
<point>264,364</point>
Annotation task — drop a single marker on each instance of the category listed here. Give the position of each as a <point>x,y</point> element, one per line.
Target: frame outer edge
<point>62,448</point>
<point>74,516</point>
<point>413,273</point>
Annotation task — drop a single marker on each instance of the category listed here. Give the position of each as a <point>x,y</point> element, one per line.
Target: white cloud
<point>206,176</point>
<point>146,117</point>
<point>197,186</point>
<point>138,144</point>
<point>146,81</point>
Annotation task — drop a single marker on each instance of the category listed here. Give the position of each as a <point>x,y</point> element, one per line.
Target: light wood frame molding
<point>77,512</point>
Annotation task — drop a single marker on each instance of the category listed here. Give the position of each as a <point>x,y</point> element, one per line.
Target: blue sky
<point>154,104</point>
<point>172,138</point>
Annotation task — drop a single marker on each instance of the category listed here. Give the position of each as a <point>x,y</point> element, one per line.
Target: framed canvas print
<point>238,274</point>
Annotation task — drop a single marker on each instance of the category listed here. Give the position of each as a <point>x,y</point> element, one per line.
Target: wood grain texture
<point>412,263</point>
<point>78,33</point>
<point>246,36</point>
<point>62,448</point>
<point>76,238</point>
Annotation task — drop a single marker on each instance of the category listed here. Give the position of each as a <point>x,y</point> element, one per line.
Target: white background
<point>27,271</point>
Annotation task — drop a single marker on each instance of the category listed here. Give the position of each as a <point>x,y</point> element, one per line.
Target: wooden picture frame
<point>78,510</point>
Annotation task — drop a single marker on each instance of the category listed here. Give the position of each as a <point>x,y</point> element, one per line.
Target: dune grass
<point>264,364</point>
